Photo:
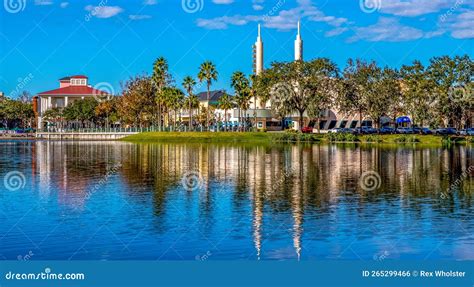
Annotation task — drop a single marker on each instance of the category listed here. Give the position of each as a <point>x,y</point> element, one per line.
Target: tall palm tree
<point>192,102</point>
<point>208,73</point>
<point>188,84</point>
<point>160,78</point>
<point>240,84</point>
<point>225,103</point>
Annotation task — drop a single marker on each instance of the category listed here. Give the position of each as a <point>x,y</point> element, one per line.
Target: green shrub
<point>407,139</point>
<point>341,137</point>
<point>295,137</point>
<point>372,139</point>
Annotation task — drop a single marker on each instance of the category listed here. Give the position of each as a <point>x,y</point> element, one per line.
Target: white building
<point>70,89</point>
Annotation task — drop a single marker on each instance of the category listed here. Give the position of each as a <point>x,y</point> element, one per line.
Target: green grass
<point>199,137</point>
<point>290,137</point>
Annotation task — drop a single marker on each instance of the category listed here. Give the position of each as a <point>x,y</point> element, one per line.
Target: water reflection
<point>123,200</point>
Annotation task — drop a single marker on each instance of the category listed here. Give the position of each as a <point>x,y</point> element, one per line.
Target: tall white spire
<point>258,54</point>
<point>298,44</point>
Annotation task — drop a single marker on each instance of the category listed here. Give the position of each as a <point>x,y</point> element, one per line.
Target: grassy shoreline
<point>290,137</point>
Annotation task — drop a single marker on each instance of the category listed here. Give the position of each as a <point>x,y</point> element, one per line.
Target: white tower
<point>258,54</point>
<point>298,45</point>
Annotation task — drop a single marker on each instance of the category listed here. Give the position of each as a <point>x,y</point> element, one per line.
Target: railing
<point>180,128</point>
<point>125,130</point>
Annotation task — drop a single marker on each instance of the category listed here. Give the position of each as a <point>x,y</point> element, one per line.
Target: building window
<point>332,124</point>
<point>260,125</point>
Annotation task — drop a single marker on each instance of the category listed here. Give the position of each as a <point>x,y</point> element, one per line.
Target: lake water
<point>114,200</point>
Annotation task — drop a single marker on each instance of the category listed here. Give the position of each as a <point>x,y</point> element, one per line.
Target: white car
<point>467,132</point>
<point>336,130</point>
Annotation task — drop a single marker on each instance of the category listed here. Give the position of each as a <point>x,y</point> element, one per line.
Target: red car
<point>307,130</point>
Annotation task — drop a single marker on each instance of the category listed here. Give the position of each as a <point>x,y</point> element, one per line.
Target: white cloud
<point>224,2</point>
<point>220,23</point>
<point>43,2</point>
<point>257,5</point>
<point>139,17</point>
<point>336,31</point>
<point>460,26</point>
<point>64,4</point>
<point>104,11</point>
<point>387,30</point>
<point>412,8</point>
<point>281,20</point>
<point>150,2</point>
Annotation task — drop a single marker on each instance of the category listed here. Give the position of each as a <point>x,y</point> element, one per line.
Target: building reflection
<point>297,181</point>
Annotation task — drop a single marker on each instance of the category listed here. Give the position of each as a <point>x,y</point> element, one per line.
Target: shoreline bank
<point>290,137</point>
<point>259,138</point>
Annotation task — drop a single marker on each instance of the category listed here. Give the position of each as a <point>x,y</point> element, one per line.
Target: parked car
<point>336,130</point>
<point>467,132</point>
<point>446,131</point>
<point>426,131</point>
<point>365,130</point>
<point>416,130</point>
<point>350,131</point>
<point>307,130</point>
<point>405,131</point>
<point>386,130</point>
<point>369,130</point>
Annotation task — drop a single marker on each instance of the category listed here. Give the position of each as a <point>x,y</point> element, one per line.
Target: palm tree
<point>160,79</point>
<point>174,98</point>
<point>208,73</point>
<point>253,94</point>
<point>188,84</point>
<point>225,103</point>
<point>240,84</point>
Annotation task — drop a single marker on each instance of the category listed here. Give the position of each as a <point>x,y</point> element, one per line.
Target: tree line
<point>16,113</point>
<point>439,94</point>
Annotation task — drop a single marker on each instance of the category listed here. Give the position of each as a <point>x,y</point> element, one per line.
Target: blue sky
<point>111,40</point>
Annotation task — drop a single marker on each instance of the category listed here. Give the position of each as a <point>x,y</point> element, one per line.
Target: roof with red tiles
<point>74,91</point>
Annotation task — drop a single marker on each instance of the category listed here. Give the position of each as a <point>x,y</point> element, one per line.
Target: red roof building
<point>71,89</point>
